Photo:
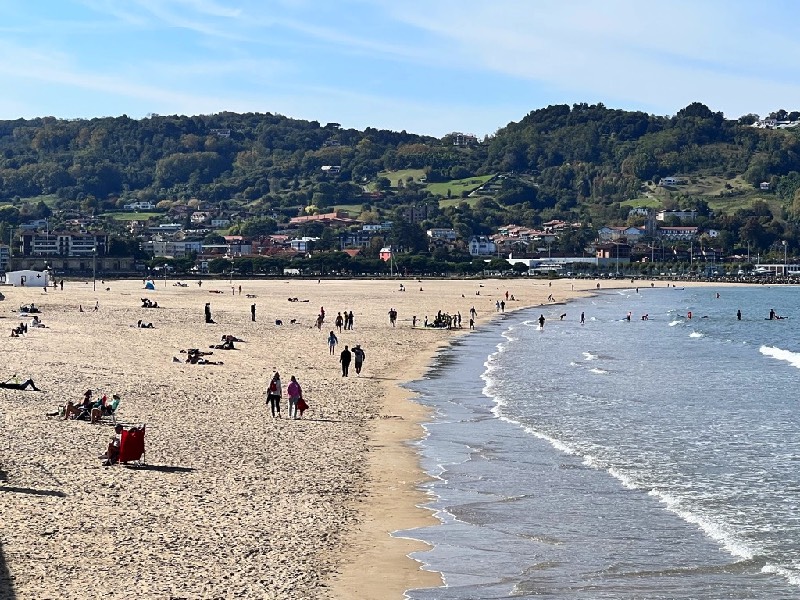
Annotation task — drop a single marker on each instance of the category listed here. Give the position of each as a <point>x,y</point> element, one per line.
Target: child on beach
<point>332,341</point>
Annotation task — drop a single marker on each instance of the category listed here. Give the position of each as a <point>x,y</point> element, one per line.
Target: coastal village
<point>81,245</point>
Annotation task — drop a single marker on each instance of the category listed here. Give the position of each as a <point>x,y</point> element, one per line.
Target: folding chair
<point>131,446</point>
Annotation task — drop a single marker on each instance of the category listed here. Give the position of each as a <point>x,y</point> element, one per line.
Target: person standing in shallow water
<point>738,315</point>
<point>345,359</point>
<point>541,321</point>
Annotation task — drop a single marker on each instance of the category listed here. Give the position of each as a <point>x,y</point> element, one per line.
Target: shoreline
<point>390,570</point>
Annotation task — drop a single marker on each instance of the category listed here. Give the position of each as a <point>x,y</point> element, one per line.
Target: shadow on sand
<point>160,468</point>
<point>6,588</point>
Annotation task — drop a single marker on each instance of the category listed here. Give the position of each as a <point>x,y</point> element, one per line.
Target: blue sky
<point>430,67</point>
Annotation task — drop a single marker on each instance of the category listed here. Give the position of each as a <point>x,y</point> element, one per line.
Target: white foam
<point>598,371</point>
<point>675,322</point>
<point>716,531</point>
<point>791,576</point>
<point>590,356</point>
<point>697,334</point>
<point>793,358</point>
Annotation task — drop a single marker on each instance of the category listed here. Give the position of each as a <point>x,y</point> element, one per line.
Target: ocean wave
<point>590,356</point>
<point>791,576</point>
<point>675,322</point>
<point>697,334</point>
<point>716,531</point>
<point>793,358</point>
<point>598,371</point>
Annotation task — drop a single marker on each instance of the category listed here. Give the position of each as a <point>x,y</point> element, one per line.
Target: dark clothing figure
<point>738,315</point>
<point>541,321</point>
<point>582,319</point>
<point>502,306</point>
<point>252,312</point>
<point>392,316</point>
<point>9,385</point>
<point>61,283</point>
<point>208,313</point>
<point>359,355</point>
<point>472,323</point>
<point>339,322</point>
<point>771,314</point>
<point>350,319</point>
<point>345,359</point>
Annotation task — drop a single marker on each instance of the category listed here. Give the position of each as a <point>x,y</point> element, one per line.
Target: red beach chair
<point>131,445</point>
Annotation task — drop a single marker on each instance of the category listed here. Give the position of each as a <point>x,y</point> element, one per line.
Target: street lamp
<point>165,274</point>
<point>785,265</point>
<point>94,268</point>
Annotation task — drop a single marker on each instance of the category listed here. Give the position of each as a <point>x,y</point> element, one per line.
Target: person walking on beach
<point>295,393</point>
<point>472,323</point>
<point>345,359</point>
<point>502,306</point>
<point>274,396</point>
<point>541,321</point>
<point>473,313</point>
<point>350,320</point>
<point>332,341</point>
<point>359,355</point>
<point>208,313</point>
<point>392,316</point>
<point>497,306</point>
<point>339,322</point>
<point>252,312</point>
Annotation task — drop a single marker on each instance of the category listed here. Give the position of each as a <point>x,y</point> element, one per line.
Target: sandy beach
<point>232,503</point>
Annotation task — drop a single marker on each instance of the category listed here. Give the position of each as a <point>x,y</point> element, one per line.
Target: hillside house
<point>612,254</point>
<point>764,186</point>
<point>137,206</point>
<point>612,233</point>
<point>681,215</point>
<point>685,234</point>
<point>480,245</point>
<point>442,233</point>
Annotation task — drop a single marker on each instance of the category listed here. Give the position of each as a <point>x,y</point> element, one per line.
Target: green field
<point>456,186</point>
<point>49,199</point>
<point>402,175</point>
<point>131,216</point>
<point>445,202</point>
<point>351,209</point>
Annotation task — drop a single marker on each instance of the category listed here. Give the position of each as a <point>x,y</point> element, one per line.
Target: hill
<point>584,162</point>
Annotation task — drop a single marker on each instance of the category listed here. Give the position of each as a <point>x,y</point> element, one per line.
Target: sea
<point>627,459</point>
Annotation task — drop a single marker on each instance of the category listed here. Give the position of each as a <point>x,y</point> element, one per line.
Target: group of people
<point>195,356</point>
<point>90,409</point>
<point>347,356</point>
<point>297,405</point>
<point>344,321</point>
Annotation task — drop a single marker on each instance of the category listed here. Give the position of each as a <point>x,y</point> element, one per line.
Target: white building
<point>303,244</point>
<point>28,278</point>
<point>178,249</point>
<point>631,234</point>
<point>137,206</point>
<point>441,233</point>
<point>480,245</point>
<point>220,223</point>
<point>681,215</point>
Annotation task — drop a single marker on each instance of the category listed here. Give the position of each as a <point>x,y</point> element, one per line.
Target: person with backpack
<point>274,395</point>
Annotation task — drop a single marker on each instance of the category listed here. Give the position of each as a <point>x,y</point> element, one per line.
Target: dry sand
<point>232,503</point>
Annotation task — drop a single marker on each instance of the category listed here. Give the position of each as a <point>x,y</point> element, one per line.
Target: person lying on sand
<point>15,385</point>
<point>142,325</point>
<point>195,357</point>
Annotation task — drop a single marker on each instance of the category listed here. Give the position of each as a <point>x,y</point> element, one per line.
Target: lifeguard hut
<point>28,278</point>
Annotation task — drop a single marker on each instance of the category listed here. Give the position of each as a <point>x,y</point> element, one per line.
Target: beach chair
<point>131,446</point>
<point>111,409</point>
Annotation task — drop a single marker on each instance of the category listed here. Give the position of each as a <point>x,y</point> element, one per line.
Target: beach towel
<point>301,405</point>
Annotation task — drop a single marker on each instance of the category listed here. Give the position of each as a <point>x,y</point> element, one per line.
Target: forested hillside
<point>576,162</point>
